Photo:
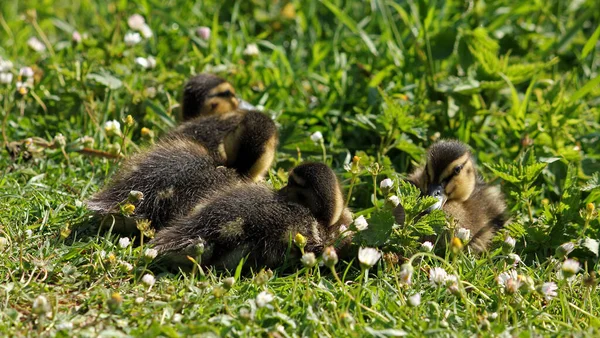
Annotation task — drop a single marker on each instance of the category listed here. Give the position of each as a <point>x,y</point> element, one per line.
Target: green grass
<point>517,81</point>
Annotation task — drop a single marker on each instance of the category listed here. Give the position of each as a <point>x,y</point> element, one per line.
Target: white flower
<point>3,243</point>
<point>148,279</point>
<point>251,50</point>
<point>146,31</point>
<point>126,266</point>
<point>263,299</point>
<point>136,22</point>
<point>139,300</point>
<point>452,284</point>
<point>437,276</point>
<point>76,37</point>
<point>41,306</point>
<point>317,136</point>
<point>35,44</point>
<point>26,72</point>
<point>112,128</point>
<point>102,254</point>
<point>514,259</point>
<point>361,223</point>
<point>203,32</point>
<point>330,257</point>
<point>343,231</point>
<point>508,245</point>
<point>177,318</point>
<point>386,184</point>
<point>309,260</point>
<point>368,257</point>
<point>146,63</point>
<point>427,246</point>
<point>414,300</point>
<point>6,78</point>
<point>504,277</point>
<point>569,268</point>
<point>64,326</point>
<point>564,250</point>
<point>406,271</point>
<point>132,38</point>
<point>5,65</point>
<point>28,233</point>
<point>463,234</point>
<point>548,290</point>
<point>394,200</point>
<point>150,253</point>
<point>124,242</point>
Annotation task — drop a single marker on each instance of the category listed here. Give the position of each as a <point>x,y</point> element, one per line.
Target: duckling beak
<point>244,105</point>
<point>437,191</point>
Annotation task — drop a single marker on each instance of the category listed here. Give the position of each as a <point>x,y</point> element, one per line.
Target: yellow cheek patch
<point>450,168</point>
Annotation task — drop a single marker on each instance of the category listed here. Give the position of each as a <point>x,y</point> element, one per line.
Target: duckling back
<point>172,176</point>
<point>249,220</point>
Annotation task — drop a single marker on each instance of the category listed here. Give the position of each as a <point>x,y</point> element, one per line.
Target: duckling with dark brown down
<point>451,176</point>
<point>253,220</point>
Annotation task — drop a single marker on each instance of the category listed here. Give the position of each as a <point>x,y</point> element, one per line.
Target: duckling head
<point>315,186</point>
<point>208,94</point>
<point>450,174</point>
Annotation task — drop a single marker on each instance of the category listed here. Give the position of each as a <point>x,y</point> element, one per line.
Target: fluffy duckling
<point>253,220</point>
<point>172,176</point>
<point>208,94</point>
<point>241,139</point>
<point>450,175</point>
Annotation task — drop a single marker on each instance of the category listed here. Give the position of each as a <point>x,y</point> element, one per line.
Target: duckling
<point>241,139</point>
<point>451,176</point>
<point>208,94</point>
<point>251,220</point>
<point>172,176</point>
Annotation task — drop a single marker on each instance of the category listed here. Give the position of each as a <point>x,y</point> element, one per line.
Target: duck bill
<point>437,191</point>
<point>245,105</point>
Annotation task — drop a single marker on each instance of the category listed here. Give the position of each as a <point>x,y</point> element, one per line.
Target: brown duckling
<point>251,220</point>
<point>451,176</point>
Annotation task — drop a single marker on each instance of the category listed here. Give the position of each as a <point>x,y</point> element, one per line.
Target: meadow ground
<point>516,80</point>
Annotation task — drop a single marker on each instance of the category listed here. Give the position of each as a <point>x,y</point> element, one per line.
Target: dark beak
<point>437,191</point>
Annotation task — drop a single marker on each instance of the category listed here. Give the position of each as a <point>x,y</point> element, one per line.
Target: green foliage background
<point>516,80</point>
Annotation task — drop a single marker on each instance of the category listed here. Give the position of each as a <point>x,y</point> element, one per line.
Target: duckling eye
<point>458,169</point>
<point>214,105</point>
<point>226,93</point>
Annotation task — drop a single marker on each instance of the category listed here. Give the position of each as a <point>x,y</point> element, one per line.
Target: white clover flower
<point>309,259</point>
<point>41,306</point>
<point>76,37</point>
<point>60,140</point>
<point>452,284</point>
<point>126,266</point>
<point>564,250</point>
<point>330,257</point>
<point>64,326</point>
<point>177,318</point>
<point>361,223</point>
<point>505,276</point>
<point>3,243</point>
<point>203,32</point>
<point>368,257</point>
<point>28,233</point>
<point>150,253</point>
<point>35,44</point>
<point>427,246</point>
<point>437,276</point>
<point>26,72</point>
<point>124,242</point>
<point>148,279</point>
<point>146,31</point>
<point>406,271</point>
<point>263,299</point>
<point>394,200</point>
<point>508,245</point>
<point>343,231</point>
<point>548,290</point>
<point>6,78</point>
<point>513,259</point>
<point>146,63</point>
<point>414,300</point>
<point>316,137</point>
<point>463,234</point>
<point>386,184</point>
<point>139,300</point>
<point>132,39</point>
<point>136,22</point>
<point>570,267</point>
<point>5,65</point>
<point>102,254</point>
<point>112,128</point>
<point>251,50</point>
